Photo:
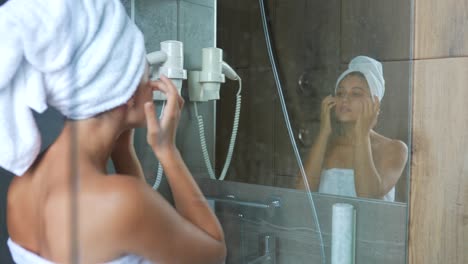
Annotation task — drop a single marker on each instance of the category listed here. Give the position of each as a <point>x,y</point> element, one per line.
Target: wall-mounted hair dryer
<point>204,85</point>
<point>169,61</point>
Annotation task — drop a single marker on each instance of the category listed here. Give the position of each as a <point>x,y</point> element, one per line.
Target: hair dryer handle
<point>157,57</point>
<point>229,72</point>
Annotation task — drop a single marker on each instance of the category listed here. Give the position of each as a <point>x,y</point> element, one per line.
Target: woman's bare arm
<point>375,179</point>
<point>131,218</point>
<point>314,163</point>
<point>189,234</point>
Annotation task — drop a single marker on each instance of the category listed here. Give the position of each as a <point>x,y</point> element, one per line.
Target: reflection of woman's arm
<point>368,181</point>
<point>375,179</point>
<point>314,163</point>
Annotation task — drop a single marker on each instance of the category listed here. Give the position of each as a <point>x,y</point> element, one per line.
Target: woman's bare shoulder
<point>398,147</point>
<point>391,152</point>
<point>103,210</point>
<point>387,144</point>
<point>109,212</point>
<point>118,196</point>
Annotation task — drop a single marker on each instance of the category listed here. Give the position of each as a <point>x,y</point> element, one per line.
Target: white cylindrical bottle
<point>343,234</point>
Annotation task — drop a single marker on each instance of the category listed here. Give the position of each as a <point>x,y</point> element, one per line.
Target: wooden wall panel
<point>441,28</point>
<point>438,230</point>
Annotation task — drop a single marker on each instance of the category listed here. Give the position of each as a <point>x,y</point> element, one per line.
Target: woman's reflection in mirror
<point>348,157</point>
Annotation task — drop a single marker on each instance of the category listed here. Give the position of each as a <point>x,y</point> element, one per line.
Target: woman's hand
<point>162,132</point>
<point>368,117</point>
<point>325,121</point>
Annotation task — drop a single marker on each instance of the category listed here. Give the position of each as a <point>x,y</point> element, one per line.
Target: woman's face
<point>143,94</point>
<point>351,93</point>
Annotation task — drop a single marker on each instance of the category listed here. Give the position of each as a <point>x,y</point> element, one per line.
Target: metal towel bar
<point>231,199</point>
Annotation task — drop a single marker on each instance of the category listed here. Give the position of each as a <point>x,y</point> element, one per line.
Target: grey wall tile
<point>193,23</point>
<point>188,139</point>
<point>197,31</point>
<point>207,3</point>
<point>127,4</point>
<point>157,20</point>
<point>5,179</point>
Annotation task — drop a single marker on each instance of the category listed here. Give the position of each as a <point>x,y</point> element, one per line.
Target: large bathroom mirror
<point>313,42</point>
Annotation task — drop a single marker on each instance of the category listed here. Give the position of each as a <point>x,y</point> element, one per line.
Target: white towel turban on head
<point>82,57</point>
<point>371,69</point>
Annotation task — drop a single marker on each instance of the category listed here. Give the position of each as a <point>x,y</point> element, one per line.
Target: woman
<point>357,161</point>
<point>87,59</point>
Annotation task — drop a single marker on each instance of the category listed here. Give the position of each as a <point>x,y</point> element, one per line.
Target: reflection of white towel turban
<point>82,57</point>
<point>371,69</point>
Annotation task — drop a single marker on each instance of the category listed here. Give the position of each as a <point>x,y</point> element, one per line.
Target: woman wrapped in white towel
<point>355,161</point>
<point>87,59</point>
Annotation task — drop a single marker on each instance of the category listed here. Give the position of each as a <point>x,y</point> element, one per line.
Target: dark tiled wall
<point>5,179</point>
